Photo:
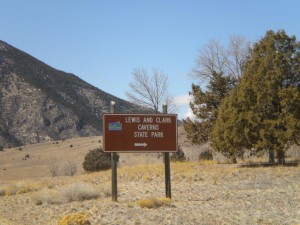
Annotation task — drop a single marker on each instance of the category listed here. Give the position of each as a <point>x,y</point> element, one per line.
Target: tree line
<point>248,98</point>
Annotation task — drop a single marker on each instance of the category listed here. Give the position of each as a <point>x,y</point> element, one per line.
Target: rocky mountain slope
<point>39,103</point>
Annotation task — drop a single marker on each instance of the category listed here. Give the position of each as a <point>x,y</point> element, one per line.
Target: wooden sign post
<point>114,164</point>
<point>167,165</point>
<point>124,133</point>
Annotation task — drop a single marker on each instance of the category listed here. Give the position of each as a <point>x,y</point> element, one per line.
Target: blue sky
<point>103,41</point>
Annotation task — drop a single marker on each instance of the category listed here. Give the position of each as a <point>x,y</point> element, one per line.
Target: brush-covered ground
<point>33,161</point>
<point>202,193</point>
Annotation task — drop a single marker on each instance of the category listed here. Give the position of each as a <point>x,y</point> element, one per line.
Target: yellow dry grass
<point>74,219</point>
<point>16,187</point>
<point>154,202</point>
<point>201,191</point>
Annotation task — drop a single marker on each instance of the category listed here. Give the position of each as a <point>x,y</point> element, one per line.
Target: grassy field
<point>202,193</point>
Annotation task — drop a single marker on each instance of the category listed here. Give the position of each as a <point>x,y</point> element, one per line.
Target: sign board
<point>140,133</point>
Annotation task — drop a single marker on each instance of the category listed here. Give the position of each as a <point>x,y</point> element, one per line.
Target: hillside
<point>39,103</point>
<point>15,165</point>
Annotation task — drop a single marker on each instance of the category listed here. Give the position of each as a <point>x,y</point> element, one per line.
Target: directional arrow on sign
<point>140,144</point>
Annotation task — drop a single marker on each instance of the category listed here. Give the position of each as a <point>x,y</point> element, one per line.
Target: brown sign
<point>140,133</point>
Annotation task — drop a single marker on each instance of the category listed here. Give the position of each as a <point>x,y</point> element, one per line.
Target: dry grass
<point>146,172</point>
<point>2,190</point>
<point>68,193</point>
<point>154,202</point>
<point>46,196</point>
<point>79,192</point>
<point>203,192</point>
<point>74,219</point>
<point>23,186</point>
<point>8,189</point>
<point>13,167</point>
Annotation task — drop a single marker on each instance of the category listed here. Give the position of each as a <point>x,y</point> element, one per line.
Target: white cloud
<point>182,100</point>
<point>189,114</point>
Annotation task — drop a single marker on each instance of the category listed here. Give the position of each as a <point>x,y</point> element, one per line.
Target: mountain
<point>39,103</point>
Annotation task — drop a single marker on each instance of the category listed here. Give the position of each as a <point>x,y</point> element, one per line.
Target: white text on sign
<point>148,124</point>
<point>136,119</point>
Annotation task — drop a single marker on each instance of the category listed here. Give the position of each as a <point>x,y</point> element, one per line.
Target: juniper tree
<point>221,67</point>
<point>205,106</point>
<point>226,136</point>
<point>263,113</point>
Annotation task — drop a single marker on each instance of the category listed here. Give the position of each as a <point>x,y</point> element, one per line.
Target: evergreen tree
<point>263,113</point>
<point>205,106</point>
<point>220,67</point>
<point>226,135</point>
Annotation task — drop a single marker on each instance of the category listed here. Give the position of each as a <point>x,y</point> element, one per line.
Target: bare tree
<point>238,54</point>
<point>53,165</point>
<point>149,90</point>
<point>215,58</point>
<point>70,168</point>
<point>220,67</point>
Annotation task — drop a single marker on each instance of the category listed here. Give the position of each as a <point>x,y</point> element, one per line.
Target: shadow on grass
<point>267,164</point>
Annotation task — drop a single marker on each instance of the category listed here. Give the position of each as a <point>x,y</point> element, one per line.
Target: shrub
<point>178,156</point>
<point>20,187</point>
<point>9,190</point>
<point>1,148</point>
<point>79,192</point>
<point>53,166</point>
<point>96,160</point>
<point>206,155</point>
<point>2,190</point>
<point>46,196</point>
<point>74,219</point>
<point>70,168</point>
<point>25,189</point>
<point>154,202</point>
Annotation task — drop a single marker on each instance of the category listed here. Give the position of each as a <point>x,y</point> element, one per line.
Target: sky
<point>103,41</point>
